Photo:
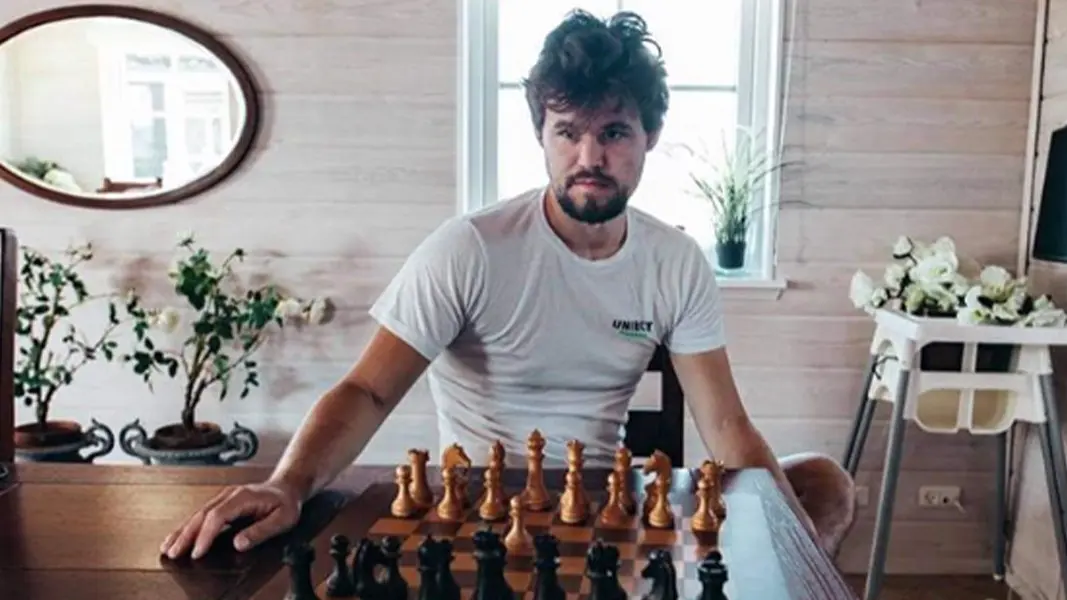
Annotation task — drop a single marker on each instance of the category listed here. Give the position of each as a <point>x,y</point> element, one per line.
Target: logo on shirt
<point>632,329</point>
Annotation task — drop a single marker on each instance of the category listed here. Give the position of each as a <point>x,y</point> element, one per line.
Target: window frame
<point>759,109</point>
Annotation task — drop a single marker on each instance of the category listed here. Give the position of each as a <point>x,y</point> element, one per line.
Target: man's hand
<point>724,425</point>
<point>274,508</point>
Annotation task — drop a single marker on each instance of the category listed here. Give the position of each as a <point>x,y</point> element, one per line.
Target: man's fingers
<point>179,540</point>
<point>274,523</point>
<point>217,518</point>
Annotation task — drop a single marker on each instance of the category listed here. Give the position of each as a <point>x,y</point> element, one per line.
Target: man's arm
<point>724,425</point>
<point>344,420</point>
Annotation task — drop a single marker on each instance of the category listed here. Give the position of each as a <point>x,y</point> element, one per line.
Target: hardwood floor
<point>936,587</point>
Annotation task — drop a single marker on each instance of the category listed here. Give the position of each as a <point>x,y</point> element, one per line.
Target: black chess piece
<point>546,562</point>
<point>428,558</point>
<point>447,587</point>
<point>660,570</point>
<point>395,587</point>
<point>299,556</point>
<point>491,556</point>
<point>713,576</point>
<point>367,557</point>
<point>340,584</point>
<point>602,570</point>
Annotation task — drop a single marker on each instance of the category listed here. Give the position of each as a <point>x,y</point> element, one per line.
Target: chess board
<point>753,569</point>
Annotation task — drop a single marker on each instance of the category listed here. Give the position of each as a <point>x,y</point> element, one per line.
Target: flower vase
<point>62,442</point>
<point>173,444</point>
<point>730,254</point>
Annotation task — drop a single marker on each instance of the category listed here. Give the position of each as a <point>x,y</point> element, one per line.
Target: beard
<point>593,211</point>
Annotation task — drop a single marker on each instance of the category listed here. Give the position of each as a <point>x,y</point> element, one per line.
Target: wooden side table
<point>996,377</point>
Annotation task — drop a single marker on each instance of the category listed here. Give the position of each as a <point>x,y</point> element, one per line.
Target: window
<point>722,69</point>
<point>167,115</point>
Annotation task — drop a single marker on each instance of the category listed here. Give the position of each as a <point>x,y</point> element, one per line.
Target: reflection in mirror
<point>113,107</point>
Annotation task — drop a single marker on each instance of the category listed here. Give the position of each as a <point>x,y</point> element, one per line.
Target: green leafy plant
<point>728,182</point>
<point>226,328</point>
<point>52,348</point>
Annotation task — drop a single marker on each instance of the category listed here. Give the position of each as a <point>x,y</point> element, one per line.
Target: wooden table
<point>94,531</point>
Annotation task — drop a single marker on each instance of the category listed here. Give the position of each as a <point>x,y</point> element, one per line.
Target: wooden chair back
<point>8,289</point>
<point>663,429</point>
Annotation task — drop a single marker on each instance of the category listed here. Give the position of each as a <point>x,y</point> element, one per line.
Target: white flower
<point>167,320</point>
<point>997,283</point>
<point>894,276</point>
<point>1045,317</point>
<point>972,298</point>
<point>288,308</point>
<point>913,298</point>
<point>935,269</point>
<point>861,289</point>
<point>316,312</point>
<point>903,247</point>
<point>973,315</point>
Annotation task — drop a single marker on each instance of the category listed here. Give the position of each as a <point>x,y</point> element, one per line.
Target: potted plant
<point>52,347</point>
<point>926,280</point>
<point>734,179</point>
<point>227,326</point>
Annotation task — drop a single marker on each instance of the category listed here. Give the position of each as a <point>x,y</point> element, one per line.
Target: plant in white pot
<point>929,280</point>
<point>55,340</point>
<point>225,327</point>
<point>729,182</point>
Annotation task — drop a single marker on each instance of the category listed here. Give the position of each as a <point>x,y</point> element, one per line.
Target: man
<point>512,309</point>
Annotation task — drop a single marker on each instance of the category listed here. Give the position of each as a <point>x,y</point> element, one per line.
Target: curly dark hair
<point>586,62</point>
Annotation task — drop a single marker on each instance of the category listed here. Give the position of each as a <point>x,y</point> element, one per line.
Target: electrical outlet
<point>863,495</point>
<point>939,495</point>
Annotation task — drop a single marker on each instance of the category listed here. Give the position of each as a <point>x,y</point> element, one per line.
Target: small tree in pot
<point>735,176</point>
<point>53,346</point>
<point>227,328</point>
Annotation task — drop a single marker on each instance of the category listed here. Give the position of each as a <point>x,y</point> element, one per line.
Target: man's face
<point>595,160</point>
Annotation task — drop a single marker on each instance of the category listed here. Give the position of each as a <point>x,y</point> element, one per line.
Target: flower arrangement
<point>226,329</point>
<point>926,280</point>
<point>52,348</point>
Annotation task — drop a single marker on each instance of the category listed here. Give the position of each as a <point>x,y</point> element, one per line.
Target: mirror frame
<point>245,82</point>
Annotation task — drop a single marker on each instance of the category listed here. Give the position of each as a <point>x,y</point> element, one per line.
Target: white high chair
<point>969,400</point>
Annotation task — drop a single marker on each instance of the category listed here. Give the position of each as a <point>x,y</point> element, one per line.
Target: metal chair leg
<point>894,450</point>
<point>1055,468</point>
<point>861,424</point>
<point>1000,516</point>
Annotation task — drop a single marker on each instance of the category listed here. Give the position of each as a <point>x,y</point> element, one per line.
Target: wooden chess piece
<point>449,508</point>
<point>420,485</point>
<point>496,456</point>
<point>518,541</point>
<point>614,513</point>
<point>403,505</point>
<point>573,504</point>
<point>712,471</point>
<point>650,498</point>
<point>535,496</point>
<point>660,516</point>
<point>492,507</point>
<point>454,457</point>
<point>704,519</point>
<point>575,459</point>
<point>624,467</point>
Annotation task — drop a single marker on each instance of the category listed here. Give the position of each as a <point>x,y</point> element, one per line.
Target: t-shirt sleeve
<point>698,321</point>
<point>430,300</point>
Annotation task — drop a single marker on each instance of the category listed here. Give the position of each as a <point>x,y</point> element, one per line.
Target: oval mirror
<point>119,107</point>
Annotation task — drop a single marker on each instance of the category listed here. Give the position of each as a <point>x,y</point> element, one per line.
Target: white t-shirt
<point>522,333</point>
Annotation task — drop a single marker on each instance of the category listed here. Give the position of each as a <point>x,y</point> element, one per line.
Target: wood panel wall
<point>904,118</point>
<point>1034,565</point>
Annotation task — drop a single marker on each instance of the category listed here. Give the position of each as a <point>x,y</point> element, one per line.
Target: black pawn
<point>395,587</point>
<point>602,570</point>
<point>447,587</point>
<point>340,583</point>
<point>546,562</point>
<point>491,556</point>
<point>299,556</point>
<point>713,576</point>
<point>428,558</point>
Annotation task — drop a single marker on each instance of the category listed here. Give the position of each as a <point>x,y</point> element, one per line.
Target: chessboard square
<point>411,575</point>
<point>520,562</point>
<point>538,518</point>
<point>578,549</point>
<point>518,580</point>
<point>572,584</point>
<point>438,529</point>
<point>469,528</point>
<point>676,552</point>
<point>465,579</point>
<point>463,544</point>
<point>627,551</point>
<point>659,537</point>
<point>572,565</point>
<point>411,543</point>
<point>628,524</point>
<point>394,526</point>
<point>697,552</point>
<point>462,561</point>
<point>570,533</point>
<point>626,568</point>
<point>535,530</point>
<point>616,536</point>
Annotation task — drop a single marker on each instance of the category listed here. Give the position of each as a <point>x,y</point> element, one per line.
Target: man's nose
<point>590,153</point>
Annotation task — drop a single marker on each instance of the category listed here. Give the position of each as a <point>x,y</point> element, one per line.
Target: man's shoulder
<point>661,238</point>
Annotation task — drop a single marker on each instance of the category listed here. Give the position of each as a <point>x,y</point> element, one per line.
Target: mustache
<point>596,176</point>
